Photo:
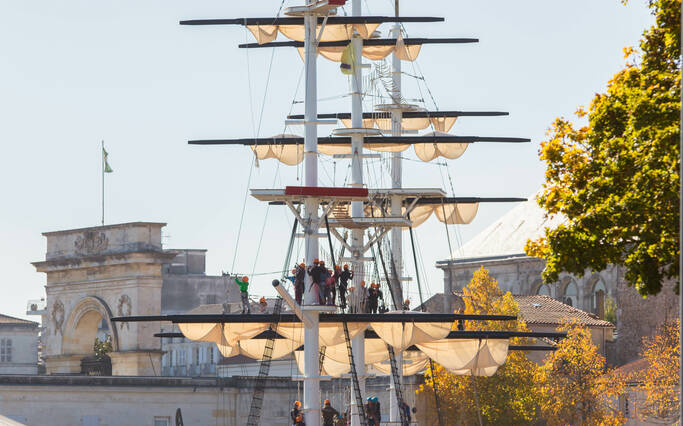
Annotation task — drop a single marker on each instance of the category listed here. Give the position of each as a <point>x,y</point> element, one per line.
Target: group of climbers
<point>325,286</point>
<point>325,283</point>
<point>331,417</point>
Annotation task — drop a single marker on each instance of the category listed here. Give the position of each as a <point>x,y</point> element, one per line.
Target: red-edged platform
<point>326,191</point>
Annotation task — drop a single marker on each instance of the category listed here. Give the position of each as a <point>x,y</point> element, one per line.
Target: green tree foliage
<point>507,398</point>
<point>616,179</point>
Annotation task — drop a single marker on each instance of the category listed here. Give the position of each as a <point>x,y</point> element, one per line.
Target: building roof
<point>536,309</point>
<point>634,368</point>
<point>509,234</point>
<point>542,309</point>
<point>6,319</point>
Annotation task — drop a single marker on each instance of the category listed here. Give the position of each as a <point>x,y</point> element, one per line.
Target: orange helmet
<point>346,266</point>
<point>362,283</point>
<point>297,403</point>
<point>322,262</point>
<point>262,299</point>
<point>302,264</point>
<point>407,301</point>
<point>293,271</point>
<point>316,261</point>
<point>336,268</point>
<point>326,402</point>
<point>245,279</point>
<point>351,288</point>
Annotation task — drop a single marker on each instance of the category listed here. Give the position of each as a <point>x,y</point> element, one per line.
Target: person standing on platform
<point>324,274</point>
<point>299,276</point>
<point>344,278</point>
<point>315,272</point>
<point>329,413</point>
<point>372,298</point>
<point>244,293</point>
<point>406,305</point>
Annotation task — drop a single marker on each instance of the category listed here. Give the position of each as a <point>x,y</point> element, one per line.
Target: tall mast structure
<point>311,332</point>
<point>357,211</point>
<point>314,16</point>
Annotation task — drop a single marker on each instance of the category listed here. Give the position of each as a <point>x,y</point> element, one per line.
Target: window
<point>211,358</point>
<point>195,358</point>
<point>597,298</point>
<point>181,356</point>
<point>543,289</point>
<point>210,299</point>
<point>162,421</point>
<point>5,350</point>
<point>571,294</point>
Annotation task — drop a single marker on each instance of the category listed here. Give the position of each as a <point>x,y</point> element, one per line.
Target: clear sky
<point>75,72</point>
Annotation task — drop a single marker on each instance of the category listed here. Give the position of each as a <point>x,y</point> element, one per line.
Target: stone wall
<point>138,401</point>
<point>638,317</point>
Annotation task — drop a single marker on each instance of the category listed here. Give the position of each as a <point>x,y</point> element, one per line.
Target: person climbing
<point>406,305</point>
<point>244,293</point>
<point>296,414</point>
<point>299,272</point>
<point>344,278</point>
<point>329,413</point>
<point>315,271</point>
<point>263,305</point>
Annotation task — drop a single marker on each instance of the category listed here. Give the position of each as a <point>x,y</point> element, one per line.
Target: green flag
<point>107,168</point>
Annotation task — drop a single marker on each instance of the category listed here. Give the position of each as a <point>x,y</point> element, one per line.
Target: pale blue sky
<point>75,72</point>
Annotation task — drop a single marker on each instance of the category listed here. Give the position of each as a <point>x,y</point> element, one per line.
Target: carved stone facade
<point>94,274</point>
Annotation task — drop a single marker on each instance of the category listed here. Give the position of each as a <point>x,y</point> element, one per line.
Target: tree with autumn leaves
<point>506,398</point>
<point>616,179</point>
<point>573,384</point>
<point>569,385</point>
<point>659,381</point>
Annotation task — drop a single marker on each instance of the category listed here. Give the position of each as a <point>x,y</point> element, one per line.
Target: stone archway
<point>81,327</point>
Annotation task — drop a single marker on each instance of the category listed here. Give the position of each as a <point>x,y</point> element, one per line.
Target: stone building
<point>118,270</point>
<point>500,249</point>
<point>18,346</point>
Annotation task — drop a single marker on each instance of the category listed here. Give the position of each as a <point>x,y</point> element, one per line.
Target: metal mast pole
<point>102,155</point>
<point>358,342</point>
<point>396,207</point>
<point>311,379</point>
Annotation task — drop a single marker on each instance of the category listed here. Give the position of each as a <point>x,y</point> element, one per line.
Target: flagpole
<point>102,155</point>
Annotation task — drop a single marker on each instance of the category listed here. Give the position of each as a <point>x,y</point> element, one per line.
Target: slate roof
<point>542,309</point>
<point>6,319</point>
<point>509,234</point>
